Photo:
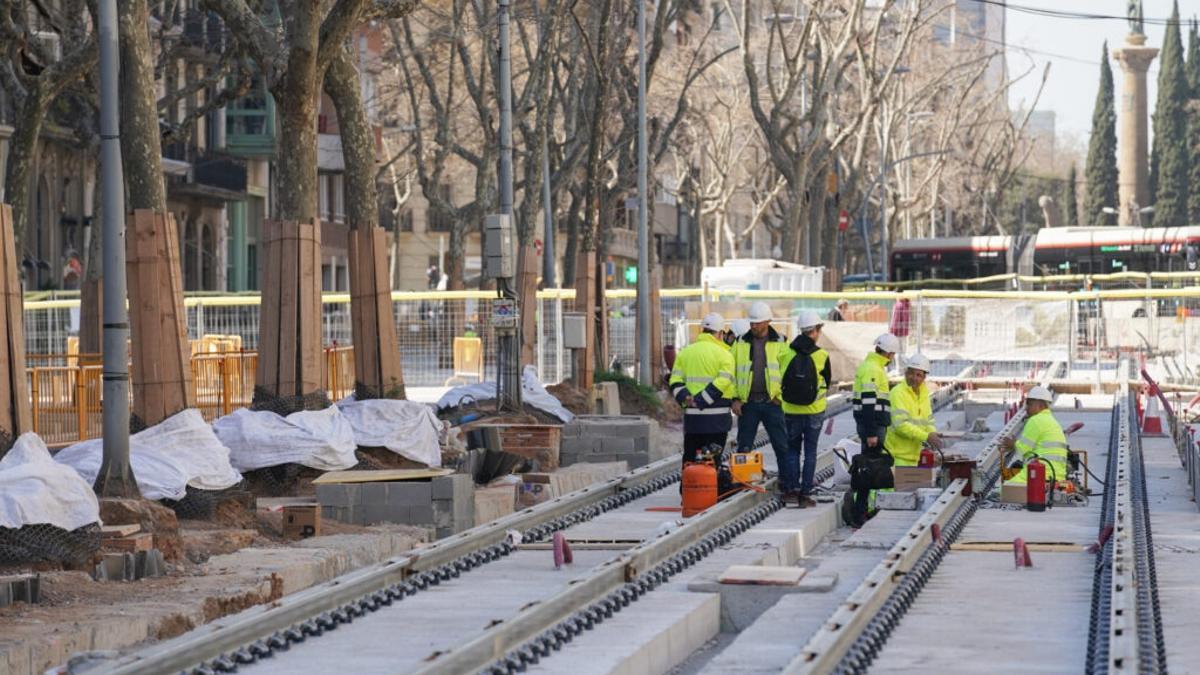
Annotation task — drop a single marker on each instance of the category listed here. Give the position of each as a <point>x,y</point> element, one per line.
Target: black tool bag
<point>872,470</point>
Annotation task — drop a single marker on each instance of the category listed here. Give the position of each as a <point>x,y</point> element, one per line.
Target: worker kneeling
<point>912,415</point>
<point>1041,437</point>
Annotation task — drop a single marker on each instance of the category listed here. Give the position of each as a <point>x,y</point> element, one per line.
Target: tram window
<point>1191,257</point>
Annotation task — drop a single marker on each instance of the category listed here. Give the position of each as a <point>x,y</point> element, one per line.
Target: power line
<point>1063,14</point>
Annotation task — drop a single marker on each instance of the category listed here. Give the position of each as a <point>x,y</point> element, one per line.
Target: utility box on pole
<point>499,258</point>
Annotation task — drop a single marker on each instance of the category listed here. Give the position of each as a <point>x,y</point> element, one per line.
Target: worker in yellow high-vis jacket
<point>1041,437</point>
<point>756,399</point>
<point>912,415</point>
<point>806,379</point>
<point>702,383</point>
<point>872,410</point>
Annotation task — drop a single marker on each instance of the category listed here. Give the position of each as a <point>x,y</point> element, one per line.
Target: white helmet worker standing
<point>713,322</point>
<point>758,383</point>
<point>740,327</point>
<point>872,413</point>
<point>759,312</point>
<point>919,362</point>
<point>810,320</point>
<point>888,343</point>
<point>912,425</point>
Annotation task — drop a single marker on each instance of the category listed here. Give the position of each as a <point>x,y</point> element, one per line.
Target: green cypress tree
<point>1193,59</point>
<point>1072,209</point>
<point>1193,142</point>
<point>1170,132</point>
<point>1101,168</point>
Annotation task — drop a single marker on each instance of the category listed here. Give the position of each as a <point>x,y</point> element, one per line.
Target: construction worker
<point>872,410</point>
<point>805,384</point>
<point>756,356</point>
<point>838,313</point>
<point>737,328</point>
<point>912,415</point>
<point>1041,437</point>
<point>702,382</point>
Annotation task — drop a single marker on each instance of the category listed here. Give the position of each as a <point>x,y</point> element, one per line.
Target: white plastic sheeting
<point>407,428</point>
<point>319,439</point>
<point>36,490</point>
<point>532,392</point>
<point>181,450</point>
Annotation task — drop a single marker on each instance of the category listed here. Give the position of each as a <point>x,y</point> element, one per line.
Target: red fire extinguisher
<point>926,460</point>
<point>1035,486</point>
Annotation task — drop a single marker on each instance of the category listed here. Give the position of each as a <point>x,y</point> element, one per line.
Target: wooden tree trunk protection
<point>656,357</point>
<point>15,418</point>
<point>289,343</point>
<point>527,290</point>
<point>91,318</point>
<point>376,350</point>
<point>162,372</point>
<point>601,318</point>
<point>585,303</point>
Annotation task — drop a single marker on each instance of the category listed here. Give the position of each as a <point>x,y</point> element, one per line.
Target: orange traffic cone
<point>1152,422</point>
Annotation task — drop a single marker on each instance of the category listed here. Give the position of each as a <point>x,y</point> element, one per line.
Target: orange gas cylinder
<point>699,488</point>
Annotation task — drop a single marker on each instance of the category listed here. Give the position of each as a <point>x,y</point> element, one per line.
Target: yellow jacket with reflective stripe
<point>775,347</point>
<point>1043,437</point>
<point>871,396</point>
<point>912,422</point>
<point>704,371</point>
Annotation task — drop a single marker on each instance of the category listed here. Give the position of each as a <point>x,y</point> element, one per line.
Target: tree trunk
<point>141,147</point>
<point>373,326</point>
<point>21,151</point>
<point>793,221</point>
<point>15,416</point>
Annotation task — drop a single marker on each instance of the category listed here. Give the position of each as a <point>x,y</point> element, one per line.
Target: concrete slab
<point>649,637</point>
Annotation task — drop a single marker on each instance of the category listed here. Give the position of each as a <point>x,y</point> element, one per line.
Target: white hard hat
<point>810,320</point>
<point>740,327</point>
<point>713,321</point>
<point>888,343</point>
<point>919,361</point>
<point>1040,393</point>
<point>760,311</point>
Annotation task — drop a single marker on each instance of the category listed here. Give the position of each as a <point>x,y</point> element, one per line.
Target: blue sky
<point>1072,47</point>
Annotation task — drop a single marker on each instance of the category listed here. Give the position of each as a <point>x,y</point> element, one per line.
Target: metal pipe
<point>116,475</point>
<point>549,255</point>
<point>508,377</point>
<point>643,280</point>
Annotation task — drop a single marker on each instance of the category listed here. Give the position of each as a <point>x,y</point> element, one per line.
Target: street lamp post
<point>643,279</point>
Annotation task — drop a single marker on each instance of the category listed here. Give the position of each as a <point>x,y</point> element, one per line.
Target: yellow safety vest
<point>912,422</point>
<point>1042,437</point>
<point>872,405</point>
<point>820,358</point>
<point>775,346</point>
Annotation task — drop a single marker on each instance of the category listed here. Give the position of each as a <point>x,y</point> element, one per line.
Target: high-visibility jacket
<point>872,407</point>
<point>800,346</point>
<point>743,364</point>
<point>704,371</point>
<point>912,422</point>
<point>1043,437</point>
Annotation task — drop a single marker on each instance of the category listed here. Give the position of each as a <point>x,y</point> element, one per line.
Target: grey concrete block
<point>373,493</point>
<point>373,514</point>
<point>818,583</point>
<point>420,515</point>
<point>614,446</point>
<point>340,495</point>
<point>454,485</point>
<point>579,446</point>
<point>642,444</point>
<point>571,430</point>
<point>896,501</point>
<point>410,493</point>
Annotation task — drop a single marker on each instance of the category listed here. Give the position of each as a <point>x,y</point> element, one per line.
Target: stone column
<point>1133,136</point>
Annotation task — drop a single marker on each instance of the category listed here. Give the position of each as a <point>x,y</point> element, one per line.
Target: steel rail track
<point>244,638</point>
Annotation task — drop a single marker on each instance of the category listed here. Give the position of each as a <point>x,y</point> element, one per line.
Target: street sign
<point>843,220</point>
<point>504,313</point>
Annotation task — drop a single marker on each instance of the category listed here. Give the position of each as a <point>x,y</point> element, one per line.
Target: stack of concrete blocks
<point>609,438</point>
<point>445,504</point>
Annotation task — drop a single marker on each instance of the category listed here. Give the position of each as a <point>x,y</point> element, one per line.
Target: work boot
<point>805,501</point>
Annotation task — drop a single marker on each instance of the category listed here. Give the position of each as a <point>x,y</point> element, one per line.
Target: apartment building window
<point>330,202</point>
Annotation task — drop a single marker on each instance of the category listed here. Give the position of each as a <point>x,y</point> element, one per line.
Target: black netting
<point>286,405</point>
<point>6,442</point>
<point>47,543</point>
<point>136,424</point>
<point>366,392</point>
<point>276,481</point>
<point>200,504</point>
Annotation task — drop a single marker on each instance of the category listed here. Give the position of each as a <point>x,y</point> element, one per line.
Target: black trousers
<point>694,443</point>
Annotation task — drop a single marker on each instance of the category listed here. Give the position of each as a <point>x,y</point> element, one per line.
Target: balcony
<point>211,175</point>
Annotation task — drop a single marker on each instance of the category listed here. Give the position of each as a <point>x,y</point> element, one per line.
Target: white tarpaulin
<point>181,450</point>
<point>34,489</point>
<point>319,439</point>
<point>532,392</point>
<point>407,428</point>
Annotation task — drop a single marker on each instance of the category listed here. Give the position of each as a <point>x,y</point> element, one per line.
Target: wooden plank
<point>357,296</point>
<point>144,281</point>
<point>157,367</point>
<point>114,531</point>
<point>170,365</point>
<point>389,345</point>
<point>288,301</point>
<point>309,310</point>
<point>373,476</point>
<point>180,344</point>
<point>7,358</point>
<point>366,341</point>
<point>268,336</point>
<point>762,575</point>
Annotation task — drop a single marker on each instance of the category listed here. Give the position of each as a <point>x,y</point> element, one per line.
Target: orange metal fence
<point>64,389</point>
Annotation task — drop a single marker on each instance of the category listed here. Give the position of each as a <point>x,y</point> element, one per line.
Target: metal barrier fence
<point>1081,329</point>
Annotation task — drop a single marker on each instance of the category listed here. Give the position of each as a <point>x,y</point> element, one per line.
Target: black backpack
<point>800,380</point>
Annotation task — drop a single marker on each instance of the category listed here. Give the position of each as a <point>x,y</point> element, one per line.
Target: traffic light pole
<point>508,340</point>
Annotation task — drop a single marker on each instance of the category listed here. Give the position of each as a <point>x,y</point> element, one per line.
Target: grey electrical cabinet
<point>574,326</point>
<point>498,252</point>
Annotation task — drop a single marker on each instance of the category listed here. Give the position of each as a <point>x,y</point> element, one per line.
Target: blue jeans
<point>804,432</point>
<point>771,417</point>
